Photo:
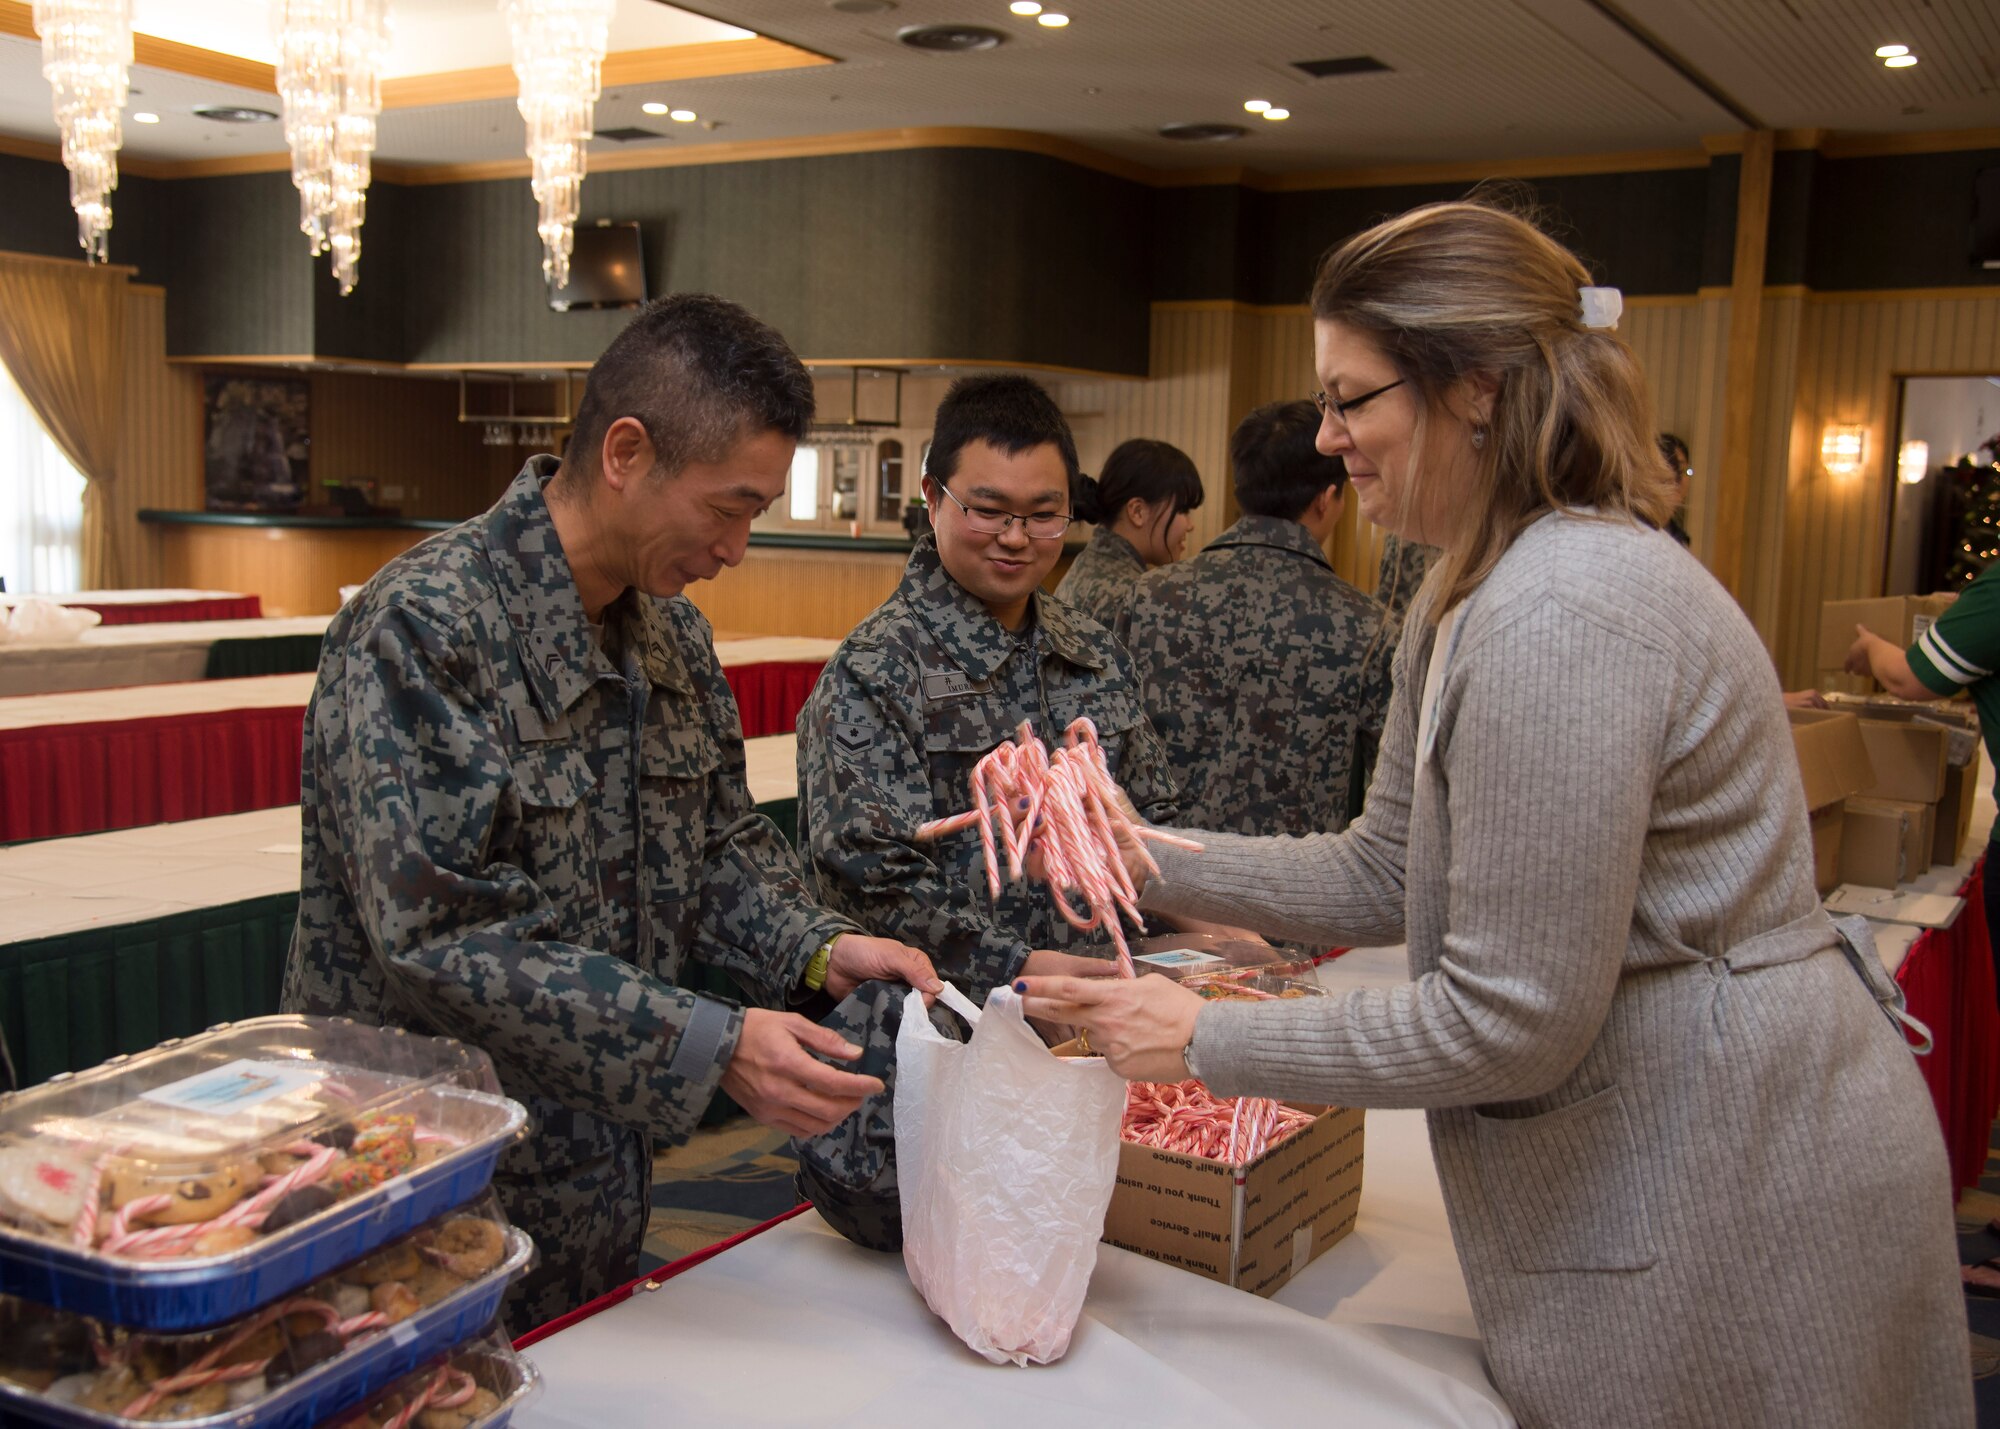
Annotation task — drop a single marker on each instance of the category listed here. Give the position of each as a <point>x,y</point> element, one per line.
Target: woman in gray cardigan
<point>1692,1172</point>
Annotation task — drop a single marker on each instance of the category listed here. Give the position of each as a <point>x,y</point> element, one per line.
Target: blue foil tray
<point>327,1388</point>
<point>177,1295</point>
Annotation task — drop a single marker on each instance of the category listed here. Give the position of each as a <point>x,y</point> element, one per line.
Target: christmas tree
<point>1972,489</point>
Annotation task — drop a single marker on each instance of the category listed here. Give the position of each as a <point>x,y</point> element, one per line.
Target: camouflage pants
<point>589,1223</point>
<point>849,1174</point>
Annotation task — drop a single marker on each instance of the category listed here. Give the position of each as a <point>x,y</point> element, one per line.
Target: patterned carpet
<point>724,1180</point>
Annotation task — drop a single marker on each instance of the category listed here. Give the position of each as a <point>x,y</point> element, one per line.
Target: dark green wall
<point>955,254</point>
<point>966,255</point>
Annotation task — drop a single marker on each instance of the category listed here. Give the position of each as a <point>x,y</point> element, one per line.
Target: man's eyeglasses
<point>987,521</point>
<point>1340,409</point>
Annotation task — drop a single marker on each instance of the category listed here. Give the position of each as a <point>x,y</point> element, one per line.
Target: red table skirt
<point>770,695</point>
<point>120,774</point>
<point>160,612</point>
<point>1947,980</point>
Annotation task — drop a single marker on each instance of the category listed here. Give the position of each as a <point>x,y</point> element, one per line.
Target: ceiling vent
<point>1202,133</point>
<point>949,39</point>
<point>1347,64</point>
<point>628,133</point>
<point>233,114</point>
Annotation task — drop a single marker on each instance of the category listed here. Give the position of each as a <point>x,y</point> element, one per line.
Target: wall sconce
<point>1913,462</point>
<point>1843,449</point>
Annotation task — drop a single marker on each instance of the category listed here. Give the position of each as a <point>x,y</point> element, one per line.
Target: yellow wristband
<point>815,978</point>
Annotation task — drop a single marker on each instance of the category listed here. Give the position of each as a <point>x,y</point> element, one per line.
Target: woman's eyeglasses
<point>988,521</point>
<point>1340,409</point>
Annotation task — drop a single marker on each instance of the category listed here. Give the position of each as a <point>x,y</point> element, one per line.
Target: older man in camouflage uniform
<point>1266,674</point>
<point>947,668</point>
<point>525,810</point>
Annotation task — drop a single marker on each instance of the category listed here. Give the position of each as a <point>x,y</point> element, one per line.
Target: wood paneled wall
<point>1851,351</point>
<point>159,445</point>
<point>405,432</point>
<point>786,591</point>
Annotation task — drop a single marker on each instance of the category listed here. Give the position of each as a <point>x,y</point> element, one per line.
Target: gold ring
<point>1083,1043</point>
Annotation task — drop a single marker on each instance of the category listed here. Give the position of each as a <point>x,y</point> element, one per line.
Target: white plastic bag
<point>1006,1157</point>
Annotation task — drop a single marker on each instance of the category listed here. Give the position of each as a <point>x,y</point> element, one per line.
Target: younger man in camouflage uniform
<point>1262,670</point>
<point>947,668</point>
<point>524,802</point>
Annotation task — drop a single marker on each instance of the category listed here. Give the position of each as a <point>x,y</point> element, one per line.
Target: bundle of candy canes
<point>1186,1117</point>
<point>215,1367</point>
<point>1067,807</point>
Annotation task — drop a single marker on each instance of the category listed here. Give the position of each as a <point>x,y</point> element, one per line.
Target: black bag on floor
<point>849,1174</point>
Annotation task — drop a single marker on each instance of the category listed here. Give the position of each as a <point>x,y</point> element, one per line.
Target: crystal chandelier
<point>329,73</point>
<point>86,57</point>
<point>558,54</point>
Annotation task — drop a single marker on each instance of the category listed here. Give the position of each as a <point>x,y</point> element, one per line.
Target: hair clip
<point>1601,306</point>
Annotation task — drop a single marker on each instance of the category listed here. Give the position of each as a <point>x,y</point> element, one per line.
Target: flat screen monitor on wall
<point>607,269</point>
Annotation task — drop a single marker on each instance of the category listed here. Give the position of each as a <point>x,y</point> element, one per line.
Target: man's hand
<point>772,1077</point>
<point>1047,962</point>
<point>1860,655</point>
<point>1887,663</point>
<point>1804,700</point>
<point>856,959</point>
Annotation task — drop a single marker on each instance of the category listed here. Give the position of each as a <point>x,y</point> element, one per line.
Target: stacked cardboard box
<point>1833,764</point>
<point>1899,619</point>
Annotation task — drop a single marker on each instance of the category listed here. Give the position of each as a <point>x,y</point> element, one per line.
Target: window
<point>889,480</point>
<point>802,504</point>
<point>41,502</point>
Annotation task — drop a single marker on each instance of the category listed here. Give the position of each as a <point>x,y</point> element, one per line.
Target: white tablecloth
<point>24,711</point>
<point>120,597</point>
<point>59,886</point>
<point>109,655</point>
<point>798,1327</point>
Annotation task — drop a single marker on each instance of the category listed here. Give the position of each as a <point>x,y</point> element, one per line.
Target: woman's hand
<point>1140,1025</point>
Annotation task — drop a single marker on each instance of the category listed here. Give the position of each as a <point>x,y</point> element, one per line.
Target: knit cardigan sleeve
<point>1550,727</point>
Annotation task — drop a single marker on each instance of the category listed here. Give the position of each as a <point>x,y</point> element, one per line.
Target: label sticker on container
<point>1179,958</point>
<point>235,1086</point>
<point>1302,1247</point>
<point>402,1332</point>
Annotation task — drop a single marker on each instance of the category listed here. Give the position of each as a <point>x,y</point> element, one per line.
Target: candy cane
<point>172,1240</point>
<point>435,1396</point>
<point>1186,1118</point>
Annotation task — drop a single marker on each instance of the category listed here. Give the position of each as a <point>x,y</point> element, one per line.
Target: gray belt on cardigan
<point>1807,937</point>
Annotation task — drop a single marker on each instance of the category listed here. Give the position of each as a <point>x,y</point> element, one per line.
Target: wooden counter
<point>787,585</point>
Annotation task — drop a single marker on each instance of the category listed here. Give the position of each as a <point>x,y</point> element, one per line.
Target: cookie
<point>482,1403</point>
<point>48,1185</point>
<point>191,1198</point>
<point>467,1246</point>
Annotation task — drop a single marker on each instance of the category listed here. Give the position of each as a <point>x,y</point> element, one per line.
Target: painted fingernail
<point>1021,987</point>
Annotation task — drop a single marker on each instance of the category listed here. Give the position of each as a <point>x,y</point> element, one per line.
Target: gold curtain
<point>62,337</point>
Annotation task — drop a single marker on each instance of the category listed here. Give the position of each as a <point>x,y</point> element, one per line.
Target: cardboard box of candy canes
<point>1256,1215</point>
<point>1253,1226</point>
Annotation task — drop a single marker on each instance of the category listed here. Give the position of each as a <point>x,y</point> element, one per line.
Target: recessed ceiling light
<point>1889,52</point>
<point>1026,7</point>
<point>1256,106</point>
<point>653,107</point>
<point>142,117</point>
<point>1900,61</point>
<point>1052,19</point>
<point>682,116</point>
<point>1277,114</point>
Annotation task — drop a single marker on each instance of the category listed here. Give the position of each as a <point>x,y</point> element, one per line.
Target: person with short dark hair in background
<point>1139,505</point>
<point>1265,673</point>
<point>525,813</point>
<point>1675,451</point>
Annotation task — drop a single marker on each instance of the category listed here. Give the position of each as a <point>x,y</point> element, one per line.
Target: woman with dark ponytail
<point>1649,1058</point>
<point>1139,506</point>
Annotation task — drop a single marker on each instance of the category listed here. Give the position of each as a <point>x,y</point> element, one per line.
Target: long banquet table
<point>115,941</point>
<point>138,607</point>
<point>85,761</point>
<point>1377,1331</point>
<point>163,654</point>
